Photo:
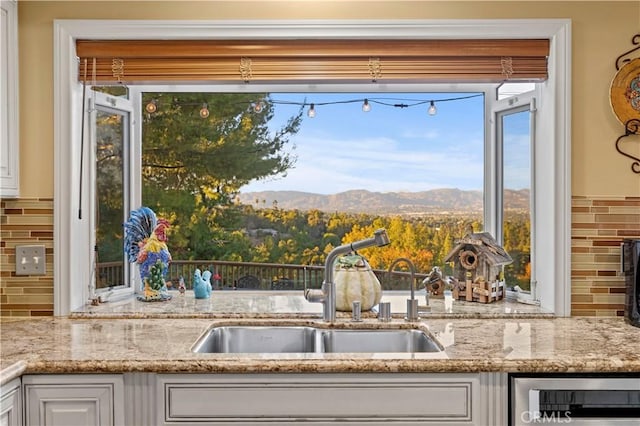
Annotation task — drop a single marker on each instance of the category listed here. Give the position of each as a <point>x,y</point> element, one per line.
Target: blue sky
<point>386,149</point>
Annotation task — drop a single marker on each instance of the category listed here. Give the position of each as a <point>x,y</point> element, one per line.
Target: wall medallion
<point>625,101</point>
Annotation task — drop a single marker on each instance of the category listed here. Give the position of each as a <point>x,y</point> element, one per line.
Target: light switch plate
<point>31,260</point>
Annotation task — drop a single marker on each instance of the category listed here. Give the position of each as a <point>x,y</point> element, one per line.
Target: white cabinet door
<point>9,160</point>
<point>320,399</point>
<point>10,404</point>
<point>69,400</point>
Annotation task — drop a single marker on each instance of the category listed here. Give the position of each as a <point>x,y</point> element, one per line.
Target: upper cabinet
<point>9,145</point>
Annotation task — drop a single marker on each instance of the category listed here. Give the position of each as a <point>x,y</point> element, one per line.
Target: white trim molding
<point>9,105</point>
<point>71,267</point>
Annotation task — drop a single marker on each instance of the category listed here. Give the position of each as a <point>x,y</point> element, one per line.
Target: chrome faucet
<point>327,294</point>
<point>412,303</point>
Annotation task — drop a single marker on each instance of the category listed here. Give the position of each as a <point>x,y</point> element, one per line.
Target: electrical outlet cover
<point>31,260</point>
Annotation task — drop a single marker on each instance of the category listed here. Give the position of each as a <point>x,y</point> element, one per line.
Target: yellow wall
<point>605,193</point>
<point>601,30</point>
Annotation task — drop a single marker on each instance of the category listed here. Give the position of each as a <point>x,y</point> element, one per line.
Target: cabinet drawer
<point>296,398</point>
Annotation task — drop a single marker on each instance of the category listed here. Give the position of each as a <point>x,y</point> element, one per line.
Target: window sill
<point>281,304</point>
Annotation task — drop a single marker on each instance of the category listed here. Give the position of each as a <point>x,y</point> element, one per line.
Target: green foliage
<point>109,188</point>
<point>517,242</point>
<point>212,157</point>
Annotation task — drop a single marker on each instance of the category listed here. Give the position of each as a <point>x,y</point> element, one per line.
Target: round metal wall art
<point>625,92</point>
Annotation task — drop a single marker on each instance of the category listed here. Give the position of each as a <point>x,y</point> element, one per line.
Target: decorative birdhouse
<point>478,266</point>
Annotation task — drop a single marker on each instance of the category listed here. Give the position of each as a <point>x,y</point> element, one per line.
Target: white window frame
<point>71,263</point>
<point>500,109</point>
<point>124,107</point>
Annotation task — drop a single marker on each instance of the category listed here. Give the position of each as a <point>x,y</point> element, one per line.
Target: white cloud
<point>430,134</point>
<point>377,164</point>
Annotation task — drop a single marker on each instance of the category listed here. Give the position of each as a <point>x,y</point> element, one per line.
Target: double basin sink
<point>310,339</point>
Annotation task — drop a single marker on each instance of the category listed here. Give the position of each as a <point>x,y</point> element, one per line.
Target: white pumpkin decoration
<point>355,281</point>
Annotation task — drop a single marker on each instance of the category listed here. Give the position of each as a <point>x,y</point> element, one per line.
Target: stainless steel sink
<point>250,339</point>
<point>294,339</point>
<point>378,341</point>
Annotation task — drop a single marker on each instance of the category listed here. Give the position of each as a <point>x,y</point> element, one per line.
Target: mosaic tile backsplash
<point>597,287</point>
<point>598,226</point>
<point>25,221</point>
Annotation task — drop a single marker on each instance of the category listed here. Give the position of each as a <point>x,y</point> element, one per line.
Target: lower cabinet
<point>407,399</point>
<point>73,399</point>
<point>11,404</point>
<point>141,399</point>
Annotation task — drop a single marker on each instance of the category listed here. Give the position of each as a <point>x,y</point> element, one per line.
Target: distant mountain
<point>436,201</point>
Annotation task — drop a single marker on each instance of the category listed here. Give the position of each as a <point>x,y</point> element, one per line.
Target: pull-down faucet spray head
<point>380,238</point>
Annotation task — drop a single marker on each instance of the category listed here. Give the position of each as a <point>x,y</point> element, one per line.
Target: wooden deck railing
<point>248,275</point>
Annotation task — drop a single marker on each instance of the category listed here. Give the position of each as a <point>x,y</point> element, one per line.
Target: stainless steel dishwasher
<point>574,399</point>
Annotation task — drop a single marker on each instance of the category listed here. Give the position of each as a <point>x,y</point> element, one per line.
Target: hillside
<point>437,201</point>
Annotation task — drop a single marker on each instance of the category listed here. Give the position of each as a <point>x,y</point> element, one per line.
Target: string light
<point>260,105</point>
<point>204,111</point>
<point>432,109</point>
<point>152,106</point>
<point>312,111</point>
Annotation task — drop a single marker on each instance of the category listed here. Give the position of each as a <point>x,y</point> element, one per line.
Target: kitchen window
<point>552,212</point>
<point>111,129</point>
<point>442,154</point>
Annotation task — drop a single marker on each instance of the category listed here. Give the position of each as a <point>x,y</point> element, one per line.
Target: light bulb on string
<point>152,106</point>
<point>366,107</point>
<point>432,109</point>
<point>312,111</point>
<point>258,107</point>
<point>204,111</point>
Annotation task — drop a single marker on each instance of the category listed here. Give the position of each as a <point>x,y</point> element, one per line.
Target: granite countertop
<point>285,304</point>
<point>97,345</point>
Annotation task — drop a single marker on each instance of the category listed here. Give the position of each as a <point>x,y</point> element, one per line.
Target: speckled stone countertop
<point>81,345</point>
<point>285,304</point>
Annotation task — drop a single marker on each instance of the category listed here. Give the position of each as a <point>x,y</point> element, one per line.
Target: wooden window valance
<point>318,61</point>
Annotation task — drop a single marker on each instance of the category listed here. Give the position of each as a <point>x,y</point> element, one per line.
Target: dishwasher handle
<point>534,404</point>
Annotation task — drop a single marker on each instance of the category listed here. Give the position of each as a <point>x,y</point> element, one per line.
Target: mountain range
<point>435,201</point>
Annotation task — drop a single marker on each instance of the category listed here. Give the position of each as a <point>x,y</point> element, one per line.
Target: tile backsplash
<point>599,224</point>
<point>25,221</point>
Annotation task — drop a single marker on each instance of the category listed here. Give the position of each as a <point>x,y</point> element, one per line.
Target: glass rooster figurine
<point>145,243</point>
